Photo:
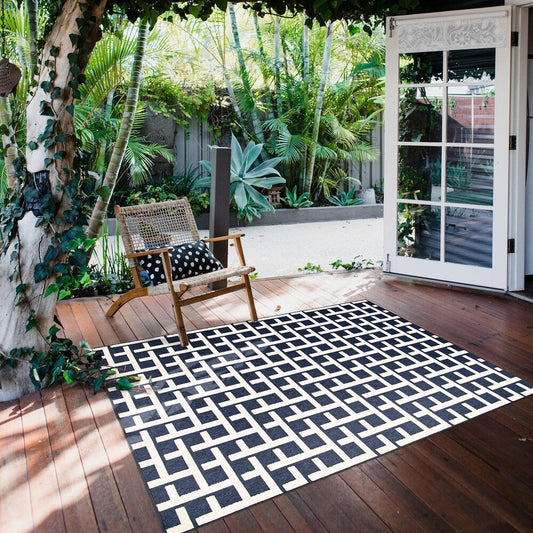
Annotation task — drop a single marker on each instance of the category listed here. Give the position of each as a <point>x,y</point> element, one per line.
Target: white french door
<point>447,146</point>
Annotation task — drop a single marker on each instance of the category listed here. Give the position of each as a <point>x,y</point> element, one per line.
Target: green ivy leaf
<point>60,154</point>
<point>51,253</point>
<point>20,288</point>
<point>41,272</point>
<point>72,58</point>
<point>60,137</point>
<point>124,384</point>
<point>45,86</point>
<point>52,289</point>
<point>98,382</point>
<point>63,293</point>
<point>70,109</point>
<point>32,145</point>
<point>46,110</point>
<point>54,51</point>
<point>56,93</point>
<point>32,322</point>
<point>74,38</point>
<point>48,161</point>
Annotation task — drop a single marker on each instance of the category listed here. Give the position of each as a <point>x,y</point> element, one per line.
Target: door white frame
<point>414,267</point>
<point>518,157</point>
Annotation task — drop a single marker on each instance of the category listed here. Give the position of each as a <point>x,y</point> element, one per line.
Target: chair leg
<point>249,294</point>
<point>125,298</point>
<point>179,319</point>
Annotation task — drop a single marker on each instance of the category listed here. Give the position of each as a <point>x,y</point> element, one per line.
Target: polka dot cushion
<point>187,260</point>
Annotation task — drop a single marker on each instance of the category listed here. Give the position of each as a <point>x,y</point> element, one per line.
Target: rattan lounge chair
<point>163,238</point>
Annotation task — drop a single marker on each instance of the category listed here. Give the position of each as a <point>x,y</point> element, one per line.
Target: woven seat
<point>153,230</point>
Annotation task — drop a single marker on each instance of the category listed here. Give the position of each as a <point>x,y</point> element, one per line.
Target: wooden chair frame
<point>165,225</point>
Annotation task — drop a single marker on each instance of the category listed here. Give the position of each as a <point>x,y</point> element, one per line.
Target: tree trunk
<point>9,142</point>
<point>277,65</point>
<point>245,78</point>
<point>113,169</point>
<point>263,67</point>
<point>29,246</point>
<point>32,7</point>
<point>318,109</point>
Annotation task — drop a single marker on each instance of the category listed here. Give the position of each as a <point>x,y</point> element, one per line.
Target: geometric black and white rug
<point>250,410</point>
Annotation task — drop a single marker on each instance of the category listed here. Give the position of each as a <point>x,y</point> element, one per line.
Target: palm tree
<point>100,208</point>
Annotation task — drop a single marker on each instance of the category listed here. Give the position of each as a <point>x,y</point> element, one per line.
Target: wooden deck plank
<point>138,504</point>
<point>76,502</point>
<point>42,475</point>
<point>338,507</point>
<point>298,514</point>
<point>14,486</point>
<point>109,508</point>
<point>403,498</point>
<point>395,517</point>
<point>478,488</point>
<point>472,476</point>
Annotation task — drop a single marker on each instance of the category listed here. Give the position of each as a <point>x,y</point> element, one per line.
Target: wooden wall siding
<point>191,146</point>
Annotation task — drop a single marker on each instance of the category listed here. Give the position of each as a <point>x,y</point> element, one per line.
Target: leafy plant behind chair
<point>247,178</point>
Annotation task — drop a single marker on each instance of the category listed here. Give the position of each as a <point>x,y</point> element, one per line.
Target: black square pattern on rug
<point>248,411</point>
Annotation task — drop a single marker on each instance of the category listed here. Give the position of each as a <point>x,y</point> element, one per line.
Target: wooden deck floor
<point>67,467</point>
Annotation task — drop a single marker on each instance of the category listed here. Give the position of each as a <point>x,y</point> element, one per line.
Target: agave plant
<point>246,180</point>
<point>345,198</point>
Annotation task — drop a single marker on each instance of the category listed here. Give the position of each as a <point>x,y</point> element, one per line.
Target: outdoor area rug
<point>248,411</point>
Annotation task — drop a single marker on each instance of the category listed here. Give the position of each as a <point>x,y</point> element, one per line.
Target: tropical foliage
<point>311,96</point>
<point>247,178</point>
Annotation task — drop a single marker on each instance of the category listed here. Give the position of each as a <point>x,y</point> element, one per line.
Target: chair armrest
<point>149,252</point>
<point>224,237</point>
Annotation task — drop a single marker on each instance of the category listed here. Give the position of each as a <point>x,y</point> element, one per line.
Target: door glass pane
<point>419,169</point>
<point>470,175</point>
<point>420,116</point>
<point>468,237</point>
<point>419,231</point>
<point>469,66</point>
<point>471,114</point>
<point>422,67</point>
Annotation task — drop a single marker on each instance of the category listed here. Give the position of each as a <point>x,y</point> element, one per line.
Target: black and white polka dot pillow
<point>187,260</point>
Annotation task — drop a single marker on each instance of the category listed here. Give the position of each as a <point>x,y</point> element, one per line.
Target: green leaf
<point>51,290</point>
<point>56,93</point>
<point>124,384</point>
<point>20,288</point>
<point>45,86</point>
<point>32,145</point>
<point>72,58</point>
<point>53,331</point>
<point>67,378</point>
<point>60,154</point>
<point>70,109</point>
<point>74,38</point>
<point>60,137</point>
<point>48,161</point>
<point>54,51</point>
<point>98,382</point>
<point>41,272</point>
<point>84,345</point>
<point>64,293</point>
<point>51,253</point>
